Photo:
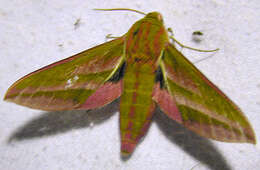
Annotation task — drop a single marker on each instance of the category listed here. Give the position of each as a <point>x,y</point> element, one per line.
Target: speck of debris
<point>197,36</point>
<point>77,24</point>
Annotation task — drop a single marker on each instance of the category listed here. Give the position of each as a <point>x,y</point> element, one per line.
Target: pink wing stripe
<point>167,103</point>
<point>104,95</point>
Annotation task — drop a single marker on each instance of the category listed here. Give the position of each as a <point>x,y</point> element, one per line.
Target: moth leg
<point>109,36</point>
<point>195,49</point>
<point>170,31</point>
<point>184,46</point>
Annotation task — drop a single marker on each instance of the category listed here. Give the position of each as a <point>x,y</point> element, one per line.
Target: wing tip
<point>11,93</point>
<point>251,138</point>
<point>252,142</point>
<point>249,134</point>
<point>7,96</point>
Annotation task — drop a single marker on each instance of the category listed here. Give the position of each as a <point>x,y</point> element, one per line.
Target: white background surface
<point>36,33</point>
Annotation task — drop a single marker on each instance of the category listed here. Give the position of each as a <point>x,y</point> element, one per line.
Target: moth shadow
<point>52,123</point>
<point>198,147</point>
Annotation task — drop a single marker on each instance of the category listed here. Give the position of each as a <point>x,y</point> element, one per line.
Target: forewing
<point>68,83</point>
<point>203,107</point>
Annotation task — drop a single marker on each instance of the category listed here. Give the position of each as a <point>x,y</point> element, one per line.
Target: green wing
<point>68,83</point>
<point>203,108</point>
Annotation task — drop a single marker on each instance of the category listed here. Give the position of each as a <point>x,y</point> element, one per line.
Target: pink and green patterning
<point>145,69</point>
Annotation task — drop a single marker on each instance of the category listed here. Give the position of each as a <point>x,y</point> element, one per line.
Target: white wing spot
<point>75,78</point>
<point>71,82</point>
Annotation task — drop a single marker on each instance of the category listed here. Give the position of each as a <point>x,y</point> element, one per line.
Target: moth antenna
<point>120,9</point>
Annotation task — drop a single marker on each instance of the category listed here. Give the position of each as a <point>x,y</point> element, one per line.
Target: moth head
<point>154,15</point>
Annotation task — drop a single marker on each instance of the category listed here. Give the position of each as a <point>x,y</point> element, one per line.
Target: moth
<point>144,69</point>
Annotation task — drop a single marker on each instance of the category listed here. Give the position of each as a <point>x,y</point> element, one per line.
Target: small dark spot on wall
<point>77,24</point>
